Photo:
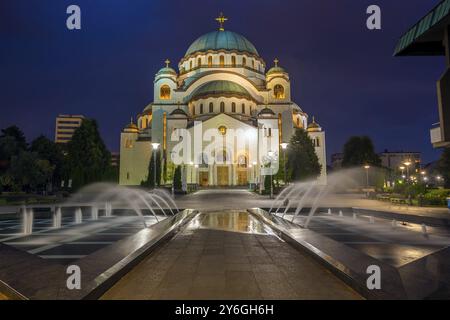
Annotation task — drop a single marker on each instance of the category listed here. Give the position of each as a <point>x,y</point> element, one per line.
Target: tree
<point>302,161</point>
<point>267,181</point>
<point>150,182</point>
<point>52,152</point>
<point>12,142</point>
<point>279,176</point>
<point>29,172</point>
<point>444,166</point>
<point>359,151</point>
<point>177,183</point>
<point>88,159</point>
<point>17,134</point>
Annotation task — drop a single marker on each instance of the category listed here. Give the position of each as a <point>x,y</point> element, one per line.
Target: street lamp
<point>367,167</point>
<point>407,164</point>
<point>402,168</point>
<point>254,172</point>
<point>155,147</point>
<point>196,174</point>
<point>271,154</point>
<point>192,169</point>
<point>284,146</point>
<point>250,179</point>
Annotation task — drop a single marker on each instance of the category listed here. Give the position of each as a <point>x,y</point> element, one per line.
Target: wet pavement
<point>229,255</point>
<point>73,241</point>
<point>395,246</point>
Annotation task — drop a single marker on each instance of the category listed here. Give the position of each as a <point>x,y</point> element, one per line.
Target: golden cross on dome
<point>276,62</point>
<point>221,19</point>
<point>167,62</point>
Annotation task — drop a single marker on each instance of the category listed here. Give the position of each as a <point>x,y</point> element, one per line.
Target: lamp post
<point>196,173</point>
<point>155,147</point>
<point>402,168</point>
<point>407,164</point>
<point>367,167</point>
<point>192,169</point>
<point>284,146</point>
<point>250,180</point>
<point>254,173</point>
<point>271,154</point>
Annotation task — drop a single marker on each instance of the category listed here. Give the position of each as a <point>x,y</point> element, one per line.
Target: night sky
<point>341,72</point>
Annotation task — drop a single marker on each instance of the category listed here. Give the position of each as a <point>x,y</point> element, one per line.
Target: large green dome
<point>220,88</point>
<point>225,40</point>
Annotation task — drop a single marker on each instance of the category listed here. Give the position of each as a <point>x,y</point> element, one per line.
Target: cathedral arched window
<point>253,64</point>
<point>222,107</point>
<point>193,110</point>
<point>317,142</point>
<point>222,61</point>
<point>210,61</point>
<point>233,107</point>
<point>244,61</point>
<point>199,62</point>
<point>190,65</point>
<point>201,108</point>
<point>233,61</point>
<point>164,92</point>
<point>243,108</point>
<point>298,121</point>
<point>278,91</point>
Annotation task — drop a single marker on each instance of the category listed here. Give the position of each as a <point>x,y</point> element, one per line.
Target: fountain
<point>310,193</point>
<point>113,199</point>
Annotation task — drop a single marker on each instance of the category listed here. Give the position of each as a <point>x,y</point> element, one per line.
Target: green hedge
<point>436,197</point>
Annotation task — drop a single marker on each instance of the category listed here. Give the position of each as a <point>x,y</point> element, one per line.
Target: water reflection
<point>233,221</point>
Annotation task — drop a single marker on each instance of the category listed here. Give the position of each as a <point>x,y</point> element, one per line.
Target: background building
<point>66,126</point>
<point>396,159</point>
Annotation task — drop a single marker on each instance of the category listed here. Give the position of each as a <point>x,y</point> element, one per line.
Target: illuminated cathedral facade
<point>222,84</point>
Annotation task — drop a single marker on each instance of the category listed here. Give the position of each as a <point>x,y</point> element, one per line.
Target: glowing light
<point>155,145</point>
<point>284,145</point>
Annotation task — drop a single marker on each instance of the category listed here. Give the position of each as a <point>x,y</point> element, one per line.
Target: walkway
<point>229,255</point>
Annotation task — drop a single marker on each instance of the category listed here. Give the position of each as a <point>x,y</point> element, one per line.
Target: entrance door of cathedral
<point>222,176</point>
<point>242,177</point>
<point>203,177</point>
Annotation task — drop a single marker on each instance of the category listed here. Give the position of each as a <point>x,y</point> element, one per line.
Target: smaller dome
<point>167,70</point>
<point>179,112</point>
<point>314,126</point>
<point>131,127</point>
<point>276,70</point>
<point>266,112</point>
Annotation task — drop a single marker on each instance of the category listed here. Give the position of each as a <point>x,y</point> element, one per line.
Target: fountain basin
<point>423,275</point>
<point>27,276</point>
